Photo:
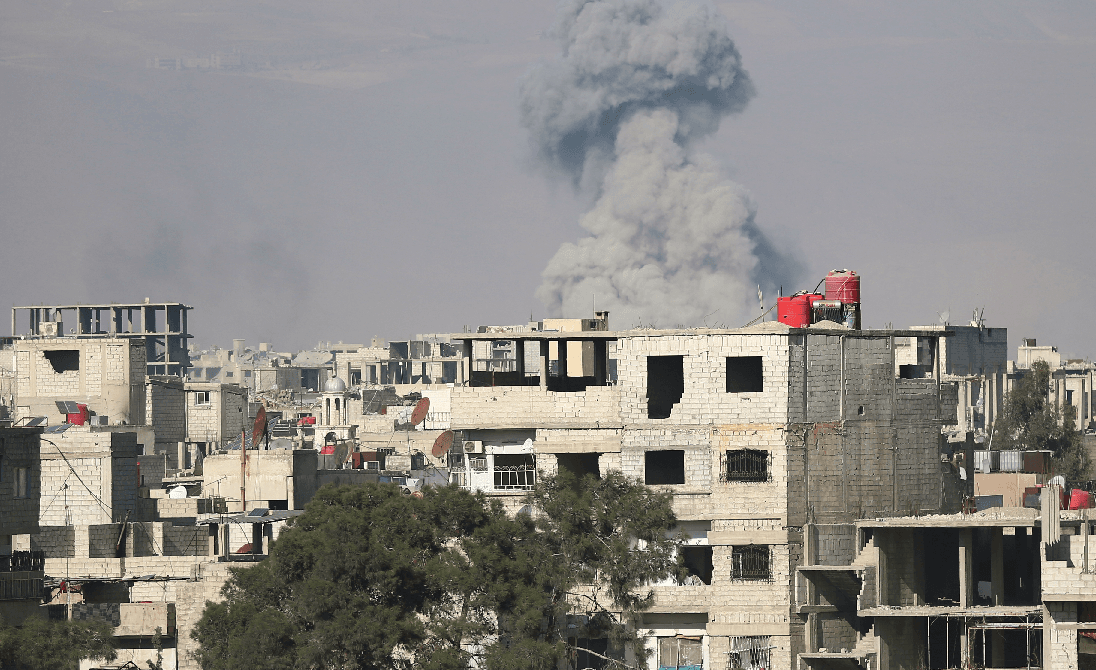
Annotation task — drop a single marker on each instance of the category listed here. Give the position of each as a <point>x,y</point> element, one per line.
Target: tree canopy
<point>1029,421</point>
<point>41,644</point>
<point>370,578</point>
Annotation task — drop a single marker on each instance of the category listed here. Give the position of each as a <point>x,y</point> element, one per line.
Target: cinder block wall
<point>55,541</point>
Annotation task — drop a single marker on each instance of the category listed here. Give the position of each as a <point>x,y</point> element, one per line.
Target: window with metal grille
<point>751,562</point>
<point>749,653</point>
<point>745,465</point>
<point>515,472</point>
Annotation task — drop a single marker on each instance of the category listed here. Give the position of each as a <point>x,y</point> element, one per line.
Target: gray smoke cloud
<point>672,241</point>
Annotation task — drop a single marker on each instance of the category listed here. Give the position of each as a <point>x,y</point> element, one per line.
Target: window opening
<point>746,465</point>
<point>751,562</point>
<point>20,482</point>
<point>698,562</point>
<point>579,465</point>
<point>744,374</point>
<point>680,653</point>
<point>201,397</point>
<point>583,658</point>
<point>665,384</point>
<point>664,467</point>
<point>63,360</point>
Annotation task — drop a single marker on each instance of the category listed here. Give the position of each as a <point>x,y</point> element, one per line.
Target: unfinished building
<point>161,328</point>
<point>767,437</point>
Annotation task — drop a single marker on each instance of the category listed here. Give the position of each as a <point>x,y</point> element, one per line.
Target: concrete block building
<point>215,413</point>
<point>21,571</point>
<point>106,373</point>
<point>768,437</point>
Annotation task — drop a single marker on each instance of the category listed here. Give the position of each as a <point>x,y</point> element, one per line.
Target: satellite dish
<point>421,408</point>
<point>260,427</point>
<point>177,493</point>
<point>442,444</point>
<point>944,316</point>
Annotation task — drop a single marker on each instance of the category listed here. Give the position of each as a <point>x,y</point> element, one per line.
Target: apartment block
<point>766,436</point>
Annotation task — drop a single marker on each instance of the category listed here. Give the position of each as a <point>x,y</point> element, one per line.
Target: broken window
<point>698,562</point>
<point>310,379</point>
<point>680,653</point>
<point>63,360</point>
<point>751,562</point>
<point>750,652</point>
<point>355,376</point>
<point>746,465</point>
<point>579,465</point>
<point>664,467</point>
<point>665,384</point>
<point>744,374</point>
<point>515,472</point>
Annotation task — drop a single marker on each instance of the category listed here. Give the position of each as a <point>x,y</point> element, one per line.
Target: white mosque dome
<point>334,385</point>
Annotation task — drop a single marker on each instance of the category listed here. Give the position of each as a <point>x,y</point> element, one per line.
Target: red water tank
<point>80,418</point>
<point>795,311</point>
<point>843,285</point>
<point>1079,499</point>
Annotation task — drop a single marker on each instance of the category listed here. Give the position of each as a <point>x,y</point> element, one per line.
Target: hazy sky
<point>364,172</point>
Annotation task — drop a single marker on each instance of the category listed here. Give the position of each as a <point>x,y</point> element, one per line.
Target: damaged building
<point>764,435</point>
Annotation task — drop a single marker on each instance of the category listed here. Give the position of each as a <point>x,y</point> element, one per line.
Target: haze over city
<point>337,170</point>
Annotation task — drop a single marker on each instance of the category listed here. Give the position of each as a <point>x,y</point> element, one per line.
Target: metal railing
<point>23,561</point>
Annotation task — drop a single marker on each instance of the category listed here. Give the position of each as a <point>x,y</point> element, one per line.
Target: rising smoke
<point>672,241</point>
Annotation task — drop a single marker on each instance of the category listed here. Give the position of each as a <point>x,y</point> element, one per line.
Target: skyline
<point>365,171</point>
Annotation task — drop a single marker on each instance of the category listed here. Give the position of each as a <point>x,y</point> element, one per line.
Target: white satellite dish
<point>177,493</point>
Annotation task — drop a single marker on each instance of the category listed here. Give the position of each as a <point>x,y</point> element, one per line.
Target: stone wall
<point>532,407</point>
<point>165,408</point>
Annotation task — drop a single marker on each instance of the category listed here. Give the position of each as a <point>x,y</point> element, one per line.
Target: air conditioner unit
<point>473,447</point>
<point>49,329</point>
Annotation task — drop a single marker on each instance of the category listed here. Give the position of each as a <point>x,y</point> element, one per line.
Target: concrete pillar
<point>997,566</point>
<point>964,644</point>
<point>468,352</point>
<point>966,568</point>
<point>543,364</point>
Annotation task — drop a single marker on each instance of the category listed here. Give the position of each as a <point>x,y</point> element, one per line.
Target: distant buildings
<point>822,475</point>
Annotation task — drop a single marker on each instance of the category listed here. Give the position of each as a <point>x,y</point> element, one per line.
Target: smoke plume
<point>672,241</point>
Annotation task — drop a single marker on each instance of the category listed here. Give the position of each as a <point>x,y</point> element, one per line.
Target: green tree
<point>41,644</point>
<point>1030,421</point>
<point>370,578</point>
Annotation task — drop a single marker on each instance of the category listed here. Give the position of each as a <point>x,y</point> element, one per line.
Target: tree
<point>1030,422</point>
<point>370,578</point>
<point>41,644</point>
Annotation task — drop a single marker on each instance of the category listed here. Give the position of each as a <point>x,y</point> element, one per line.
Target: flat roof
<point>778,329</point>
<point>932,610</point>
<point>995,516</point>
<point>119,305</point>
